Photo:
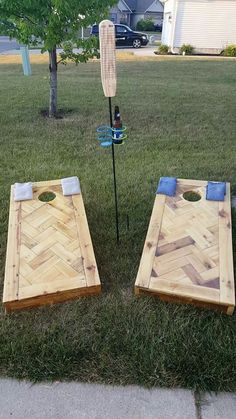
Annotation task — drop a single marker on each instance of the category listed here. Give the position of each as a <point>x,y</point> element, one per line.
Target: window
<point>121,29</point>
<point>113,17</point>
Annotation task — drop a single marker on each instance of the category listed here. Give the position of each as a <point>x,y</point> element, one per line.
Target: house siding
<point>207,25</point>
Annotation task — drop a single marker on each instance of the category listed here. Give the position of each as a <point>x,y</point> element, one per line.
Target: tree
<point>54,23</point>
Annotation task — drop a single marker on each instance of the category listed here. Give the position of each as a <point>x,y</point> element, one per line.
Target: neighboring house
<point>131,11</point>
<point>121,13</point>
<point>208,25</point>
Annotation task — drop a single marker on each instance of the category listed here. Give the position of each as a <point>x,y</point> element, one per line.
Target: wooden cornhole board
<point>50,255</point>
<point>187,256</point>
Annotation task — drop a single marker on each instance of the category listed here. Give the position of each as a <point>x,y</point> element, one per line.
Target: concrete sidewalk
<point>23,400</point>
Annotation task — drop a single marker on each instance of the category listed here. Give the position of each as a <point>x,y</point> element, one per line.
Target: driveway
<point>142,52</point>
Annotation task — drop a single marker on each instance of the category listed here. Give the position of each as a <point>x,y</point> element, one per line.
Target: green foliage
<point>187,49</point>
<point>163,49</point>
<point>53,23</point>
<point>145,25</point>
<point>229,51</point>
<point>89,47</point>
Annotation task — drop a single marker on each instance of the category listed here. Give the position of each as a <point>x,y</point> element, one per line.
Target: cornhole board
<point>187,256</point>
<point>50,256</point>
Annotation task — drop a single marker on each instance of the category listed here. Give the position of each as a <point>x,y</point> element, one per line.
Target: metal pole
<point>114,177</point>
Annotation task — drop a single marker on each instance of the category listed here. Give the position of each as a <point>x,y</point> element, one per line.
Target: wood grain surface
<point>108,57</point>
<point>193,257</point>
<point>50,255</point>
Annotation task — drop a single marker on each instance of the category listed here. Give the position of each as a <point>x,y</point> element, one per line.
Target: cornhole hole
<point>187,256</point>
<point>50,255</point>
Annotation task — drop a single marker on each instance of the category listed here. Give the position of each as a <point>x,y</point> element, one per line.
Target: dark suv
<point>125,36</point>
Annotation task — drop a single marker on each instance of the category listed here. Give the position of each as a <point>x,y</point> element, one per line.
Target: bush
<point>187,48</point>
<point>229,51</point>
<point>145,25</point>
<point>163,49</point>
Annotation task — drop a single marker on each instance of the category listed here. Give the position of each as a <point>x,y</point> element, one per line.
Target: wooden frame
<point>50,256</point>
<point>187,255</point>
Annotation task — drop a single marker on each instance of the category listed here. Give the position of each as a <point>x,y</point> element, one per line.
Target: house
<point>208,25</point>
<point>130,12</point>
<point>121,13</point>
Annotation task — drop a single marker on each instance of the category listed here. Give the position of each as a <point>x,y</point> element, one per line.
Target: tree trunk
<point>53,82</point>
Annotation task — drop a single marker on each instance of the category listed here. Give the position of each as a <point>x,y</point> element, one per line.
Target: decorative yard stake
<point>109,135</point>
<point>25,61</point>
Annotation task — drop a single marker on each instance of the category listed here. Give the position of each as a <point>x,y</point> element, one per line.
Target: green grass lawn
<point>181,122</point>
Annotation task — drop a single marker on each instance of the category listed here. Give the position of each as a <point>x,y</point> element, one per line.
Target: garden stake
<point>114,177</point>
<point>108,76</point>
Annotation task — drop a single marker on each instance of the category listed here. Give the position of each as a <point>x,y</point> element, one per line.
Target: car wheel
<point>137,43</point>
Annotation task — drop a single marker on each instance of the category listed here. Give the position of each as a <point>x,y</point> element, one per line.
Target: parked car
<point>125,36</point>
<point>158,27</point>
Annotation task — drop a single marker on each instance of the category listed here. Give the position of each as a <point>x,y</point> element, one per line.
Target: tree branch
<point>25,18</point>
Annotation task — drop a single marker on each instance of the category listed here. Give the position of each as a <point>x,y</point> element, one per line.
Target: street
<point>6,44</point>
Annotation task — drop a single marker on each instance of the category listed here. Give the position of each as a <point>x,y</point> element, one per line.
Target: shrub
<point>145,25</point>
<point>229,51</point>
<point>163,49</point>
<point>187,48</point>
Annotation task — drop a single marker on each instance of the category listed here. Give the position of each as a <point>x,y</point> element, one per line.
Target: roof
<point>139,6</point>
<point>143,5</point>
<point>131,4</point>
<point>125,3</point>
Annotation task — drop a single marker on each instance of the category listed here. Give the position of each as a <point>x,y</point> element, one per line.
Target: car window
<point>95,29</point>
<point>121,29</point>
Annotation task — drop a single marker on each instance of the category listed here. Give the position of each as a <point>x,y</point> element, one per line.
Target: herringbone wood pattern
<point>188,246</point>
<point>50,255</point>
<point>187,255</point>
